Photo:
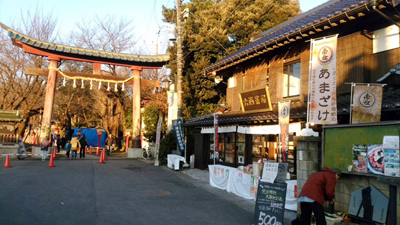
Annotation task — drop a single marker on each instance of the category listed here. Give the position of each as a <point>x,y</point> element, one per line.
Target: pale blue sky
<point>145,14</point>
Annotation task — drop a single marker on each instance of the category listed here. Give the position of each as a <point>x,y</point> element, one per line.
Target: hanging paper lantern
<point>74,86</point>
<point>91,85</point>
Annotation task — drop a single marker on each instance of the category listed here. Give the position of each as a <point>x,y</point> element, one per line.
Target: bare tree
<point>19,91</point>
<point>105,108</point>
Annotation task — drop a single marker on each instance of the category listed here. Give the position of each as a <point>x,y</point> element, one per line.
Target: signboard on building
<point>177,125</point>
<point>256,100</point>
<point>322,82</point>
<point>367,104</point>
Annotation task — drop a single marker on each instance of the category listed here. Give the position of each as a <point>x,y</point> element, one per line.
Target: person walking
<point>58,143</point>
<point>319,187</point>
<point>68,148</point>
<point>75,146</point>
<point>109,143</point>
<point>21,148</point>
<point>83,141</point>
<point>44,146</point>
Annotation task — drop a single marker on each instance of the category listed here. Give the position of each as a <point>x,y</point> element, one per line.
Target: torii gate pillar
<point>49,99</point>
<point>136,107</point>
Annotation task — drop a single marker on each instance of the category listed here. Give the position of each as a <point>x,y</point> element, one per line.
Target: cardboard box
<point>257,168</point>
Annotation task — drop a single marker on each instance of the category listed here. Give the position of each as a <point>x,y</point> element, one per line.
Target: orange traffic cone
<point>98,151</point>
<point>104,154</point>
<point>54,154</point>
<point>86,150</point>
<point>90,151</point>
<point>7,163</point>
<point>101,158</point>
<point>51,163</point>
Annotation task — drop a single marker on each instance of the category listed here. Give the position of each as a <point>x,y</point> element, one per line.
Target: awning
<point>268,129</point>
<point>224,129</point>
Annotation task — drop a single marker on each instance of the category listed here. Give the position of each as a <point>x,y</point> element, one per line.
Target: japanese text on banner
<point>323,109</point>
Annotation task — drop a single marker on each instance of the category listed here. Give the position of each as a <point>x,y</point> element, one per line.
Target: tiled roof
<point>296,28</point>
<point>101,55</point>
<point>10,116</point>
<point>390,102</point>
<point>392,77</point>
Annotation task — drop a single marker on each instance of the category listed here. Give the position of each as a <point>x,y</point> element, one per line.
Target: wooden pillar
<point>97,68</point>
<point>49,99</point>
<point>136,122</point>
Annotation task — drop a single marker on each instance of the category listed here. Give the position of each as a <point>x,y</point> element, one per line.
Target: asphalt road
<point>121,191</point>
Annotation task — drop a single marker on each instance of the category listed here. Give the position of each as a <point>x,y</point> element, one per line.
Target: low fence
<point>6,139</point>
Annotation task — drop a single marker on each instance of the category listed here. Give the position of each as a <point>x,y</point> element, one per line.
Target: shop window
<point>232,82</point>
<point>229,141</point>
<point>241,148</point>
<point>212,144</point>
<point>259,146</point>
<point>226,148</point>
<point>291,79</point>
<point>385,39</point>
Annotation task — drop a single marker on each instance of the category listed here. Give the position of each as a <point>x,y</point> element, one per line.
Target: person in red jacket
<point>320,187</point>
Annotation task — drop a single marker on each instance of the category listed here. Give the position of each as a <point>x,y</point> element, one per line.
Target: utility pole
<point>179,57</point>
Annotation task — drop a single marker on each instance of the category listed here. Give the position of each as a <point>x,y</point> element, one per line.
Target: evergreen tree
<point>214,30</point>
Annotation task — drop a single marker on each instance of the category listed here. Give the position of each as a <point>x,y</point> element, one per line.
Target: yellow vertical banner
<point>284,114</point>
<point>367,103</point>
<point>322,90</point>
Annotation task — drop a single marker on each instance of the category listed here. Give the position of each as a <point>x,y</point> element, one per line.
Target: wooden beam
<point>45,72</point>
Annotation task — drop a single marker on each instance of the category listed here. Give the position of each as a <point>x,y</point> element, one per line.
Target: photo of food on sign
<point>376,159</point>
<point>360,161</point>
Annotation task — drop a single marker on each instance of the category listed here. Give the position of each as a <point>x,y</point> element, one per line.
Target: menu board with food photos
<point>360,161</point>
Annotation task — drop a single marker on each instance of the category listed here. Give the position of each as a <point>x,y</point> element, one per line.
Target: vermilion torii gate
<point>55,53</point>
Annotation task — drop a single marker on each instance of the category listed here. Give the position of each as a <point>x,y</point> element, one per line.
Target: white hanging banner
<point>367,104</point>
<point>284,114</point>
<point>322,91</point>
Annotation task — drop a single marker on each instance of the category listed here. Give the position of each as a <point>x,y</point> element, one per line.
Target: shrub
<point>167,144</point>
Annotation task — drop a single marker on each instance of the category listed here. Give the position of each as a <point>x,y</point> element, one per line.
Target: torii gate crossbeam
<point>55,53</point>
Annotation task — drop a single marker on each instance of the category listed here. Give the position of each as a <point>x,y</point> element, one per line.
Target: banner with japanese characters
<point>284,114</point>
<point>177,125</point>
<point>322,90</point>
<point>216,144</point>
<point>158,134</point>
<point>367,103</point>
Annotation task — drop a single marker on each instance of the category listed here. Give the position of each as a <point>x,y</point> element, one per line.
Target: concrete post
<point>136,122</point>
<point>308,159</point>
<point>49,98</point>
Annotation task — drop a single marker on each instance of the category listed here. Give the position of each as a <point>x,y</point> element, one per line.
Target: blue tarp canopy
<point>91,136</point>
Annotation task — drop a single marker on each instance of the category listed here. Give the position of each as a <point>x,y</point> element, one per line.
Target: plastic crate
<point>332,221</point>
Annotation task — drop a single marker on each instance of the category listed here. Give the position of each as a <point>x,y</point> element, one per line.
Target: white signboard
<point>270,171</point>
